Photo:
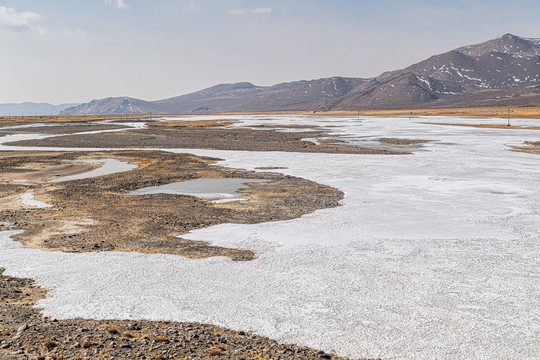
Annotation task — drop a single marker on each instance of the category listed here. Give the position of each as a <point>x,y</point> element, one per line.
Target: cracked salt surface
<point>432,255</point>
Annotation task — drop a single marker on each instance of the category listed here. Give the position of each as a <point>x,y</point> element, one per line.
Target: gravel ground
<point>26,334</point>
<point>207,138</point>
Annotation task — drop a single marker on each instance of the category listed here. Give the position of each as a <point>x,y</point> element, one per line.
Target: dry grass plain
<point>481,112</point>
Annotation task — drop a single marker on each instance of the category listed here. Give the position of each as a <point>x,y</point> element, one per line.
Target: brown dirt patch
<point>207,138</point>
<point>401,142</point>
<point>531,147</point>
<point>95,214</point>
<point>26,334</point>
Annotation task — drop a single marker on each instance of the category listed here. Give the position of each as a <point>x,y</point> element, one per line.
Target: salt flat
<point>431,255</point>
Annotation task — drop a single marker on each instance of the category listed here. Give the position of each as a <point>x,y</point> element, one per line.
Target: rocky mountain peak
<point>507,44</point>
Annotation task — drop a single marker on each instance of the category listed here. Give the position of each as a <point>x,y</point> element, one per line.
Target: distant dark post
<point>508,124</point>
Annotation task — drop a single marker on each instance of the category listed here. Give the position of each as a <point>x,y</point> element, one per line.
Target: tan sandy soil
<point>530,112</point>
<point>482,112</point>
<point>26,334</point>
<point>95,214</point>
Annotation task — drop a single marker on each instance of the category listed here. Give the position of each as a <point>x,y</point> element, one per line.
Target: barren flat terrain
<point>378,237</point>
<point>196,137</point>
<point>95,215</point>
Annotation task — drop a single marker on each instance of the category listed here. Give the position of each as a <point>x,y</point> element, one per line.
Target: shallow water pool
<point>206,188</point>
<point>108,166</point>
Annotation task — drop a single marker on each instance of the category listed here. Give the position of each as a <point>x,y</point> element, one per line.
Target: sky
<point>62,51</point>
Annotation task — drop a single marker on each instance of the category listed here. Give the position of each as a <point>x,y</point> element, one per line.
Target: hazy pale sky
<point>74,51</point>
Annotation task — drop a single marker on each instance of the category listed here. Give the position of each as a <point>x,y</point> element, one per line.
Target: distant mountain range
<point>32,109</point>
<point>503,71</point>
<point>500,72</point>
